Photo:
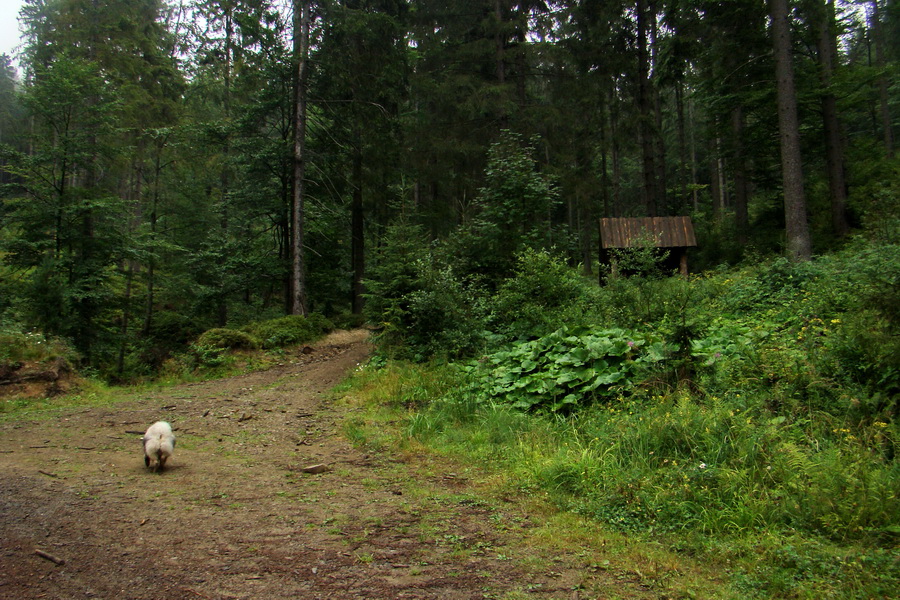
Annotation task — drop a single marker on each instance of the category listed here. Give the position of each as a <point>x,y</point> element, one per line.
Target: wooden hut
<point>673,233</point>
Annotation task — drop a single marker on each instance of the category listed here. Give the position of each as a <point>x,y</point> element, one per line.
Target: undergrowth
<point>744,417</point>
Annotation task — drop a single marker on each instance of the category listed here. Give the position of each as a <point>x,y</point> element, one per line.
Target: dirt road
<point>234,516</point>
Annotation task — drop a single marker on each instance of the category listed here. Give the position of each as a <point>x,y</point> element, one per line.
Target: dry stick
<point>47,473</point>
<point>50,557</point>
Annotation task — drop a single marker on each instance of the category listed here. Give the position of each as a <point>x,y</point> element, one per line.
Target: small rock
<point>316,469</point>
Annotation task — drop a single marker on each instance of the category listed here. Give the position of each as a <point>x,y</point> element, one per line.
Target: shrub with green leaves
<point>568,368</point>
<point>227,339</point>
<point>18,346</point>
<point>421,307</point>
<point>289,330</point>
<point>542,293</point>
<point>511,213</point>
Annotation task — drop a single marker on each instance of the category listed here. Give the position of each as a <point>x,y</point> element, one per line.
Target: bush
<point>438,319</point>
<point>17,346</point>
<point>420,306</point>
<point>171,329</point>
<point>227,339</point>
<point>290,330</point>
<point>567,369</point>
<point>542,293</point>
<point>346,320</point>
<point>319,323</point>
<point>394,271</point>
<point>511,212</point>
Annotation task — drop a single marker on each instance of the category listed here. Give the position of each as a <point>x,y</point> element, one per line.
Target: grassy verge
<point>705,496</point>
<point>217,354</point>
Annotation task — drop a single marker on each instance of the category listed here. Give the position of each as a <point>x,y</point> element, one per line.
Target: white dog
<point>159,444</point>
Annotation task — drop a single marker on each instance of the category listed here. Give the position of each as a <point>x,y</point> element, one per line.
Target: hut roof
<point>668,232</point>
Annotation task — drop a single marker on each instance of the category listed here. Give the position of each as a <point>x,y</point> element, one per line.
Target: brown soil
<point>234,515</point>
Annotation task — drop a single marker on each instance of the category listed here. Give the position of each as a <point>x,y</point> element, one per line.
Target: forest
<point>171,167</point>
<point>189,183</point>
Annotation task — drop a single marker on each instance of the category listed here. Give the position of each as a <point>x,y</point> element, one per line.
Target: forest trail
<point>234,517</point>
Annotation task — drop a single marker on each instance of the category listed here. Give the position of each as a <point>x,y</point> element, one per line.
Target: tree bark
<point>799,246</point>
<point>357,231</point>
<point>225,175</point>
<point>301,49</point>
<point>682,178</point>
<point>834,151</point>
<point>659,144</point>
<point>646,114</point>
<point>884,112</point>
<point>604,167</point>
<point>615,157</point>
<point>715,180</point>
<point>741,181</point>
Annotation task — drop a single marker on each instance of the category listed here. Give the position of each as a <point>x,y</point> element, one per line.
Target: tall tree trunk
<point>500,60</point>
<point>357,230</point>
<point>682,179</point>
<point>695,194</point>
<point>615,156</point>
<point>741,181</point>
<point>645,112</point>
<point>604,168</point>
<point>659,144</point>
<point>834,151</point>
<point>151,260</point>
<point>715,180</point>
<point>799,245</point>
<point>885,113</point>
<point>301,50</point>
<point>499,43</point>
<point>585,218</point>
<point>126,318</point>
<point>225,176</point>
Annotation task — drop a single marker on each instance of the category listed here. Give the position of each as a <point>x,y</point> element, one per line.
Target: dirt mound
<point>36,379</point>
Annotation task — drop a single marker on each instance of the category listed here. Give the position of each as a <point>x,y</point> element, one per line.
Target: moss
<point>228,339</point>
<point>289,330</point>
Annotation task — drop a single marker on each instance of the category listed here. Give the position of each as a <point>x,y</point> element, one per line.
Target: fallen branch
<point>47,473</point>
<point>54,559</point>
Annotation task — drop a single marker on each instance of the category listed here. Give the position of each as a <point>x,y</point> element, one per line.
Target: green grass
<point>756,453</point>
<point>787,509</point>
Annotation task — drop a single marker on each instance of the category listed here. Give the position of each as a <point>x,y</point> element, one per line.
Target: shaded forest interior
<point>169,167</point>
